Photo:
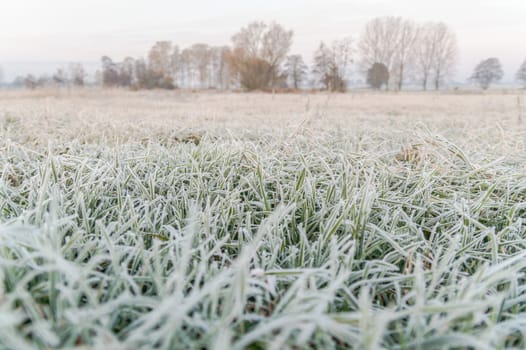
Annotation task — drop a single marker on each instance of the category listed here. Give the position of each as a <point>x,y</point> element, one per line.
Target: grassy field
<point>157,220</point>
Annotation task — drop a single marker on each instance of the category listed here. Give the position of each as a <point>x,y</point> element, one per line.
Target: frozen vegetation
<point>173,220</point>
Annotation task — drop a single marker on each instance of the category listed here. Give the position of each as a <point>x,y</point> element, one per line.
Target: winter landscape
<point>246,197</point>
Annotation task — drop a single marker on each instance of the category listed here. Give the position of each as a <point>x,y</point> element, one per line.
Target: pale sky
<point>36,35</point>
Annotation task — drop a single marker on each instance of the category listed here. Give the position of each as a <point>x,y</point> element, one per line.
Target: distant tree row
<point>74,75</point>
<point>489,71</point>
<point>390,52</point>
<point>255,61</point>
<point>168,67</point>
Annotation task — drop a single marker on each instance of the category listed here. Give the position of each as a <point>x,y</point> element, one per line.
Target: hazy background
<point>37,36</point>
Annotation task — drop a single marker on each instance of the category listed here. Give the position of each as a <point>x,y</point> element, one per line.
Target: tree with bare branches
<point>436,54</point>
<point>121,74</point>
<point>127,74</point>
<point>276,45</point>
<point>425,51</point>
<point>110,72</point>
<point>250,39</point>
<point>296,70</point>
<point>160,65</point>
<point>332,63</point>
<point>221,69</point>
<point>30,82</point>
<point>60,77</point>
<point>77,74</point>
<point>445,53</point>
<point>160,58</point>
<point>263,46</point>
<point>201,59</point>
<point>408,34</point>
<point>380,43</point>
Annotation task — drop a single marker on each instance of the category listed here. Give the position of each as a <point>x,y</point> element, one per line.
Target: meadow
<point>180,220</point>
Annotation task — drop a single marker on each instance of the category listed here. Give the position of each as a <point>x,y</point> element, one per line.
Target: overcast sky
<point>37,34</point>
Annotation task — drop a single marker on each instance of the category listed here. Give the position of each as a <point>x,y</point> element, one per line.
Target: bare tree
<point>261,45</point>
<point>201,59</point>
<point>487,72</point>
<point>188,71</point>
<point>380,43</point>
<point>157,72</point>
<point>110,73</point>
<point>402,46</point>
<point>250,39</point>
<point>436,54</point>
<point>408,34</point>
<point>218,67</point>
<point>322,67</point>
<point>221,69</point>
<point>127,74</point>
<point>446,53</point>
<point>160,66</point>
<point>120,74</point>
<point>144,80</point>
<point>276,45</point>
<point>30,82</point>
<point>331,64</point>
<point>246,51</point>
<point>425,51</point>
<point>296,70</point>
<point>176,66</point>
<point>77,74</point>
<point>378,76</point>
<point>521,74</point>
<point>160,58</point>
<point>60,77</point>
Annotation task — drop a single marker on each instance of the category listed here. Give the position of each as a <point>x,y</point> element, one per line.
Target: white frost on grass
<point>332,233</point>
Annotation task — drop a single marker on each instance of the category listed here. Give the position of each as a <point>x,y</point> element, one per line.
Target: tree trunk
<point>295,80</point>
<point>401,78</point>
<point>424,83</point>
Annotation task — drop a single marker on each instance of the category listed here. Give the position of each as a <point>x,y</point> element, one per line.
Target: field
<point>179,220</point>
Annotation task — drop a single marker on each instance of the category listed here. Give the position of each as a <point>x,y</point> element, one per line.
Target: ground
<point>139,220</point>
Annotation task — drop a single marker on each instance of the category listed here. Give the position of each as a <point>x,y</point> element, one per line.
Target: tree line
<point>72,75</point>
<point>391,52</point>
<point>254,61</point>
